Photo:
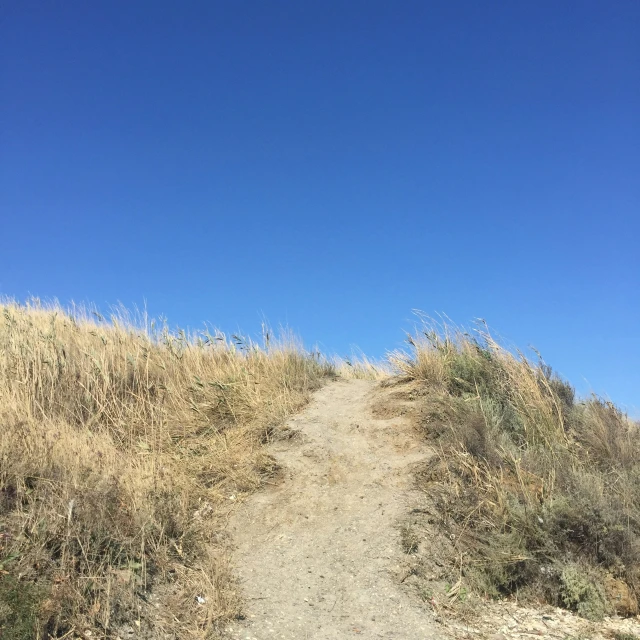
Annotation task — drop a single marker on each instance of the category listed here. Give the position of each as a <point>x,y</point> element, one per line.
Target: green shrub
<point>582,594</point>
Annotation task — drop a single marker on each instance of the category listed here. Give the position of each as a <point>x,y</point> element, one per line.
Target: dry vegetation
<point>538,492</point>
<point>122,447</point>
<point>360,367</point>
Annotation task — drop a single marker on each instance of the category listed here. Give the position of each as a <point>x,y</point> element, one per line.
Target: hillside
<point>156,484</point>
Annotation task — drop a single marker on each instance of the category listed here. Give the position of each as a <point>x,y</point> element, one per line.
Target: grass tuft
<point>540,491</point>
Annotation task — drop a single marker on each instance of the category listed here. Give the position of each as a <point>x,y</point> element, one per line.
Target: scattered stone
<point>508,621</point>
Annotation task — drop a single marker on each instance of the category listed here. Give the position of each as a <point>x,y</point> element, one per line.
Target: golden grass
<point>361,367</point>
<point>122,449</point>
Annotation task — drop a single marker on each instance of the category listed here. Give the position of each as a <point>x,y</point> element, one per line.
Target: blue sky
<point>332,166</point>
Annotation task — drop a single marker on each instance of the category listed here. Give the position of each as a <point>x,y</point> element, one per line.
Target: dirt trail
<point>320,555</point>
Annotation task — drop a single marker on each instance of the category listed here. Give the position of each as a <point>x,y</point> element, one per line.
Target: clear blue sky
<point>332,166</point>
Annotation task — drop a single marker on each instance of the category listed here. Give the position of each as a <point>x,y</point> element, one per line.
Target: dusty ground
<point>321,554</point>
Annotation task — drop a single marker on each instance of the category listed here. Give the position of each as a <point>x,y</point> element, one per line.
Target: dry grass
<point>360,367</point>
<point>540,492</point>
<point>122,448</point>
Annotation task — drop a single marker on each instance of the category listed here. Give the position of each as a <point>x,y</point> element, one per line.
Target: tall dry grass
<point>123,446</point>
<point>539,491</point>
<point>361,367</point>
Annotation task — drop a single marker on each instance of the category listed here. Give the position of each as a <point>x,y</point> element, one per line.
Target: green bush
<point>582,594</point>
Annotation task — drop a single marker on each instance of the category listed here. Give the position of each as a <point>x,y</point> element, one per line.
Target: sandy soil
<point>319,556</point>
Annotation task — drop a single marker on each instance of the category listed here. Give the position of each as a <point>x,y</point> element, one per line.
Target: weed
<point>582,594</point>
<point>540,491</point>
<point>409,539</point>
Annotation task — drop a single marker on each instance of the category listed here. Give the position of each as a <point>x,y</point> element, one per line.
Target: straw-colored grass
<point>539,491</point>
<point>123,446</point>
<point>361,367</point>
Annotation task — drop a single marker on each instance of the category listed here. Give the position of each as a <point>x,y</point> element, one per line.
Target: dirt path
<point>320,555</point>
